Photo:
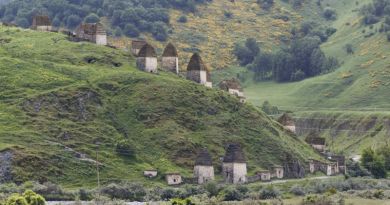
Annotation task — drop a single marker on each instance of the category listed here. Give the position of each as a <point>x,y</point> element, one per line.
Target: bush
<point>212,189</point>
<point>349,49</point>
<point>330,14</point>
<point>182,19</point>
<point>269,192</point>
<point>27,198</point>
<point>131,31</point>
<point>133,192</point>
<point>125,148</point>
<point>232,194</point>
<point>92,18</point>
<point>297,190</point>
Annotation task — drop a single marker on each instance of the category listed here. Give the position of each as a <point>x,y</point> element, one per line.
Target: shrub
<point>269,192</point>
<point>297,190</point>
<point>133,192</point>
<point>212,189</point>
<point>349,49</point>
<point>125,148</point>
<point>330,14</point>
<point>182,19</point>
<point>232,194</point>
<point>27,198</point>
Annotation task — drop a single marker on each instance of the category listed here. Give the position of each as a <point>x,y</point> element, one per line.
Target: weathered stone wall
<point>170,64</point>
<point>320,148</point>
<point>197,76</point>
<point>234,172</point>
<point>148,64</point>
<point>204,174</point>
<point>173,179</point>
<point>101,40</point>
<point>43,28</point>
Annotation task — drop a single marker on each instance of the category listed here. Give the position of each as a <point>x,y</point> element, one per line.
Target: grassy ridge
<point>63,101</point>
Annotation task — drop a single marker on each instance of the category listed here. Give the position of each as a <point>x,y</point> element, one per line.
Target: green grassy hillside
<point>60,102</point>
<point>362,81</point>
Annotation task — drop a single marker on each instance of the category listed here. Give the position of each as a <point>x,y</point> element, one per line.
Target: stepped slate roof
<point>316,140</point>
<point>234,154</point>
<point>137,44</point>
<point>170,51</point>
<point>41,21</point>
<point>147,51</point>
<point>230,84</point>
<point>196,63</point>
<point>204,158</point>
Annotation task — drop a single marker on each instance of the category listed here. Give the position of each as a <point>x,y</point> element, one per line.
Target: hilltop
<point>63,102</point>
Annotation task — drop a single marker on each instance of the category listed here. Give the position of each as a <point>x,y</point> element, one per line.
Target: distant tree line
<point>128,17</point>
<point>299,59</point>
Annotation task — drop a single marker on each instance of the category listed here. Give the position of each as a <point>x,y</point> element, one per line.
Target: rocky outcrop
<point>5,166</point>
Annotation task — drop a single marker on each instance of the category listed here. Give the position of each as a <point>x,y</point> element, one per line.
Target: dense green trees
<point>374,161</point>
<point>301,58</point>
<point>142,16</point>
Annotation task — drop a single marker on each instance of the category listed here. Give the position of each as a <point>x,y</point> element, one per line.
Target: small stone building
<point>341,163</point>
<point>288,122</point>
<point>170,59</point>
<point>327,168</point>
<point>41,23</point>
<point>92,32</point>
<point>277,172</point>
<point>234,165</point>
<point>265,175</point>
<point>147,59</point>
<point>233,86</point>
<point>198,72</point>
<point>318,143</point>
<point>173,178</point>
<point>150,173</point>
<point>136,46</point>
<point>204,170</point>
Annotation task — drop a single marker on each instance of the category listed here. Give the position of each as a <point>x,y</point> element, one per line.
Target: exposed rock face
<point>5,166</point>
<point>76,106</point>
<point>293,168</point>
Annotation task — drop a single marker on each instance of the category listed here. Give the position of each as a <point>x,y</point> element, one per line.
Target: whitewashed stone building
<point>234,165</point>
<point>92,32</point>
<point>173,178</point>
<point>204,170</point>
<point>150,173</point>
<point>41,23</point>
<point>147,59</point>
<point>198,72</point>
<point>170,59</point>
<point>278,172</point>
<point>265,175</point>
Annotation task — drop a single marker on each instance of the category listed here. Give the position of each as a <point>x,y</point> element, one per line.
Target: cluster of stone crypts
<point>147,61</point>
<point>234,169</point>
<point>336,163</point>
<point>92,32</point>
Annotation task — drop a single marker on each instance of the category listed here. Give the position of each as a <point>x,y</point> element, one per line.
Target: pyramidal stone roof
<point>196,63</point>
<point>203,158</point>
<point>234,154</point>
<point>41,21</point>
<point>147,51</point>
<point>170,51</point>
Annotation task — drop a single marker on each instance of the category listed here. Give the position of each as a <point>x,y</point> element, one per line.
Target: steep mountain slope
<point>64,104</point>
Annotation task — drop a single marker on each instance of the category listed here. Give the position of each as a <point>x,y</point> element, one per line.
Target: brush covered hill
<point>61,102</point>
